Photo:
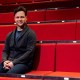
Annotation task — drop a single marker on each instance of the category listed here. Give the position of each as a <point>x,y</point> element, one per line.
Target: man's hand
<point>8,64</point>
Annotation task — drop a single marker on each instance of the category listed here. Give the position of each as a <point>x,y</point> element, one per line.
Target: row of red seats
<point>48,31</point>
<point>28,1</point>
<point>20,1</point>
<point>44,15</point>
<point>61,59</point>
<point>57,60</point>
<point>48,15</point>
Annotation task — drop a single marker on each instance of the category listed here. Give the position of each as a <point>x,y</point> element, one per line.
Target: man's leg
<point>2,70</point>
<point>19,69</point>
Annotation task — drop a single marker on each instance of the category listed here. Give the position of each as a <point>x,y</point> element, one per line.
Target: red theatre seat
<point>63,14</point>
<point>44,61</point>
<point>77,13</point>
<point>4,30</point>
<point>54,31</point>
<point>68,57</point>
<point>6,18</point>
<point>40,15</point>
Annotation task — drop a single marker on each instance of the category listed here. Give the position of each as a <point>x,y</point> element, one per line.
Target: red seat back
<point>44,57</point>
<point>55,31</point>
<point>6,18</point>
<point>68,57</point>
<point>63,14</point>
<point>40,15</point>
<point>4,30</point>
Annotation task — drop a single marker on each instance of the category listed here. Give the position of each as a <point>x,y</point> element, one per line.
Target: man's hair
<point>20,8</point>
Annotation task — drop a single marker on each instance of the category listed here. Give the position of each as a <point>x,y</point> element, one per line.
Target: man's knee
<point>2,70</point>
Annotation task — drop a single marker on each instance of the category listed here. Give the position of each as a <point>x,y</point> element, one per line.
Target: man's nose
<point>19,18</point>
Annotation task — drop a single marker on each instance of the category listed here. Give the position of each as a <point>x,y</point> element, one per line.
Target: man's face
<point>20,18</point>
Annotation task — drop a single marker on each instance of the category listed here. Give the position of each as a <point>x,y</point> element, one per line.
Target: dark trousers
<point>17,69</point>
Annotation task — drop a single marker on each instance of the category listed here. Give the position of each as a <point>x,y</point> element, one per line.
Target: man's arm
<point>6,48</point>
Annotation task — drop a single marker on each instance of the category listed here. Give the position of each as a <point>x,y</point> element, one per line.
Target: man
<point>18,53</point>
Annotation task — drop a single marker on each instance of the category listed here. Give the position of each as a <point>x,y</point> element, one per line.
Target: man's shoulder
<point>32,32</point>
<point>29,30</point>
<point>9,34</point>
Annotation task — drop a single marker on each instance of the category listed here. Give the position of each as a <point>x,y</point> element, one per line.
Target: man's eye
<point>17,17</point>
<point>22,16</point>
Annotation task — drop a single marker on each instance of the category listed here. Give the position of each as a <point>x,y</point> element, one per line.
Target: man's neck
<point>19,29</point>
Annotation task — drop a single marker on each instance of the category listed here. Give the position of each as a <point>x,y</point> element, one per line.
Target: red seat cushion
<point>64,74</point>
<point>38,73</point>
<point>10,78</point>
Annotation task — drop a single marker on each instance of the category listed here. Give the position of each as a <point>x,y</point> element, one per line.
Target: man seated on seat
<point>19,47</point>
